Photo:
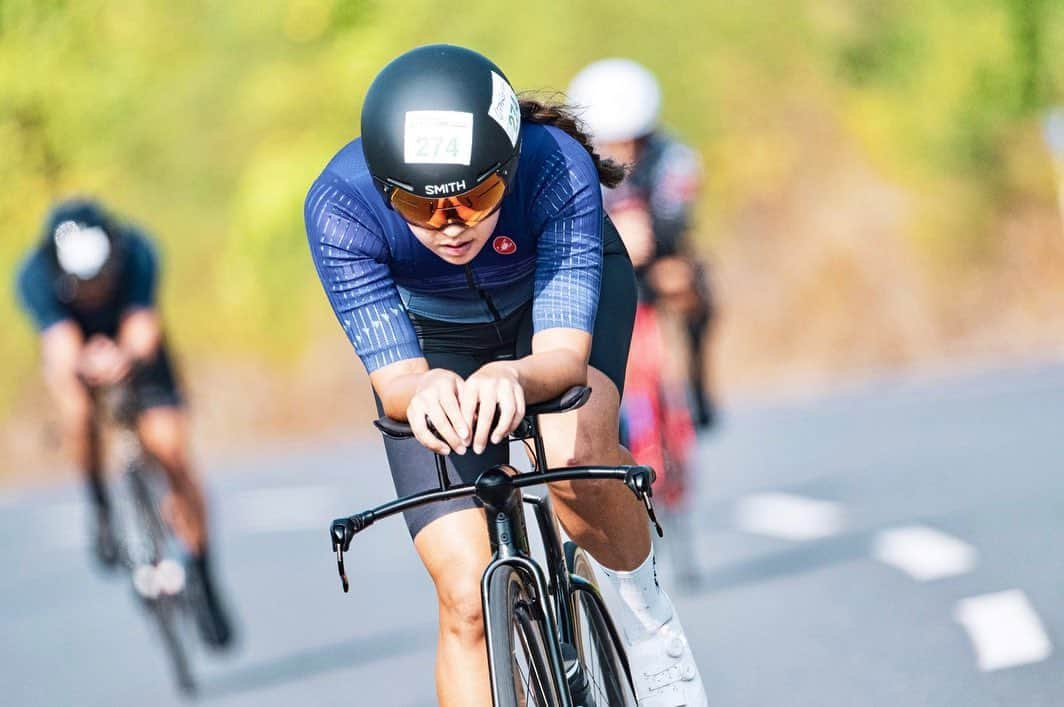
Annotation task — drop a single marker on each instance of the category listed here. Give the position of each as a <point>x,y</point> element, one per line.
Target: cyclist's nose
<point>453,229</point>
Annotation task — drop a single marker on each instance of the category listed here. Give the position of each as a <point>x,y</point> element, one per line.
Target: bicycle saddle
<point>571,399</point>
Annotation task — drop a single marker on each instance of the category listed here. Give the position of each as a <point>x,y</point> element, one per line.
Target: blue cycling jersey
<point>41,290</point>
<point>547,248</point>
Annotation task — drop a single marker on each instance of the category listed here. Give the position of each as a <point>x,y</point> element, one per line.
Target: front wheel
<point>520,663</point>
<point>166,609</point>
<point>601,656</point>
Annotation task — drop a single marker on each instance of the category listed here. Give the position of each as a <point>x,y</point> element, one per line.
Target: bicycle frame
<point>499,489</point>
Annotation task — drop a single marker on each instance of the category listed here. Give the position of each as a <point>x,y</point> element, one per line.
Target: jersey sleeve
<point>673,191</point>
<point>142,275</point>
<point>567,214</point>
<point>37,295</point>
<point>351,258</point>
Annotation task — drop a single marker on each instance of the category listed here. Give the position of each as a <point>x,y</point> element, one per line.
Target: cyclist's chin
<point>459,253</point>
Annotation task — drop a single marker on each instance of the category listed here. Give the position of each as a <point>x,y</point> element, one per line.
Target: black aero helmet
<point>437,122</point>
<point>81,239</point>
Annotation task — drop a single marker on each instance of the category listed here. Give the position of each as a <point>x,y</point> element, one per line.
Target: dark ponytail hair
<point>560,116</point>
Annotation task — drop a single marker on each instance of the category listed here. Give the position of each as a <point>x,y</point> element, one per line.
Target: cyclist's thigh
<point>413,466</point>
<point>164,433</point>
<point>589,434</point>
<point>455,551</point>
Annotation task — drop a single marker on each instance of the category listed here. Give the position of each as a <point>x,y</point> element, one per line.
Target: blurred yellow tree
<point>206,121</point>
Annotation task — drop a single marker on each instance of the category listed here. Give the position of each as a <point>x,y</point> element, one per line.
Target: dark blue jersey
<point>45,294</point>
<point>665,181</point>
<point>546,248</point>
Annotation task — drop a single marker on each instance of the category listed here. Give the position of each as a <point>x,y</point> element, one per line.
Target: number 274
<point>435,146</point>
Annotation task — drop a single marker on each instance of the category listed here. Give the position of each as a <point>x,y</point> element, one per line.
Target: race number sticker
<point>438,137</point>
<point>504,108</point>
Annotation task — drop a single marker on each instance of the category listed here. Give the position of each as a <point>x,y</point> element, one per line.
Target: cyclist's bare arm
<point>410,390</point>
<point>558,362</point>
<point>61,346</point>
<point>140,333</point>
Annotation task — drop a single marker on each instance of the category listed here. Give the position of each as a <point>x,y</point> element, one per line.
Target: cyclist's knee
<point>162,433</point>
<point>590,435</point>
<point>582,448</point>
<point>461,611</point>
<point>455,551</point>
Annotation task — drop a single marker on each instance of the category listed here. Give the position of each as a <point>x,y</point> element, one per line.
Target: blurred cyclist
<point>462,244</point>
<point>619,102</point>
<point>89,287</point>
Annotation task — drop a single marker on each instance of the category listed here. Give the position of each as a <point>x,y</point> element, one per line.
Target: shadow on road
<point>320,659</point>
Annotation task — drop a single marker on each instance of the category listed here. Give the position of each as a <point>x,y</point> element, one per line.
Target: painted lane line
<point>1004,630</point>
<point>789,516</point>
<point>924,553</point>
<point>286,508</point>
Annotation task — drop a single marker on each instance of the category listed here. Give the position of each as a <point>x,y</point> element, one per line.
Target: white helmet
<point>81,250</point>
<point>617,99</point>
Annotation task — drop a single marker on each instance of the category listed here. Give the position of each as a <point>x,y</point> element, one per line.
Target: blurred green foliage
<point>206,121</point>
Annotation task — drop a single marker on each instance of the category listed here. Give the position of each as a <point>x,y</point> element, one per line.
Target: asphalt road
<point>896,544</point>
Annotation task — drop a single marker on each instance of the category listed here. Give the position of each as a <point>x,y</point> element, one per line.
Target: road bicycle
<point>147,548</point>
<point>550,639</point>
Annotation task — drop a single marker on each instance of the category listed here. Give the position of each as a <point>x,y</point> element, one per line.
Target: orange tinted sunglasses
<point>467,209</point>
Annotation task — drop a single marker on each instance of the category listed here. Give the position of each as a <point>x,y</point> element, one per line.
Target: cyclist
<point>462,245</point>
<point>89,287</point>
<point>618,101</point>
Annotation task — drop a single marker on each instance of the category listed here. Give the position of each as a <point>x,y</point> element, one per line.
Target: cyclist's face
<point>457,244</point>
<point>95,293</point>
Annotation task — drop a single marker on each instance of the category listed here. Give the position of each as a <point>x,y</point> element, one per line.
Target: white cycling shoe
<point>664,670</point>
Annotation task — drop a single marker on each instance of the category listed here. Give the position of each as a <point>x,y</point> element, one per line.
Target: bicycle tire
<point>165,609</point>
<point>514,626</point>
<point>597,647</point>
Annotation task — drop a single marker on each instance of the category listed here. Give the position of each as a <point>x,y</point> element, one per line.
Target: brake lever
<point>340,532</point>
<point>640,480</point>
<point>649,505</point>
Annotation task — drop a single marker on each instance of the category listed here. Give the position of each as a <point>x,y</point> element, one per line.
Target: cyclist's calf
<point>602,517</point>
<point>162,432</point>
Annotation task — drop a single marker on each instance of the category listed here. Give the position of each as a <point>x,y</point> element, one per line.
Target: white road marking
<point>924,553</point>
<point>1004,630</point>
<point>286,508</point>
<point>789,516</point>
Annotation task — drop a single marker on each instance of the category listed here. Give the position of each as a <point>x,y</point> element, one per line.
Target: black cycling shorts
<point>463,348</point>
<point>154,384</point>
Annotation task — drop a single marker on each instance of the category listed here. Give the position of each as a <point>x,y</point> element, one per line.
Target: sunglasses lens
<point>466,209</point>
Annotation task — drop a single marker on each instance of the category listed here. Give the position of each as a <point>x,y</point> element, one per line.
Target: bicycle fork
<point>509,543</point>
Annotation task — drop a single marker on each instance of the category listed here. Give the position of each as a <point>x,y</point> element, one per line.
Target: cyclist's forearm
<point>140,335</point>
<point>547,374</point>
<point>396,383</point>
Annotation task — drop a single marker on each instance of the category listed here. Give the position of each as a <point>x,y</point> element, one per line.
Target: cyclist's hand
<point>494,387</point>
<point>436,399</point>
<point>103,362</point>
